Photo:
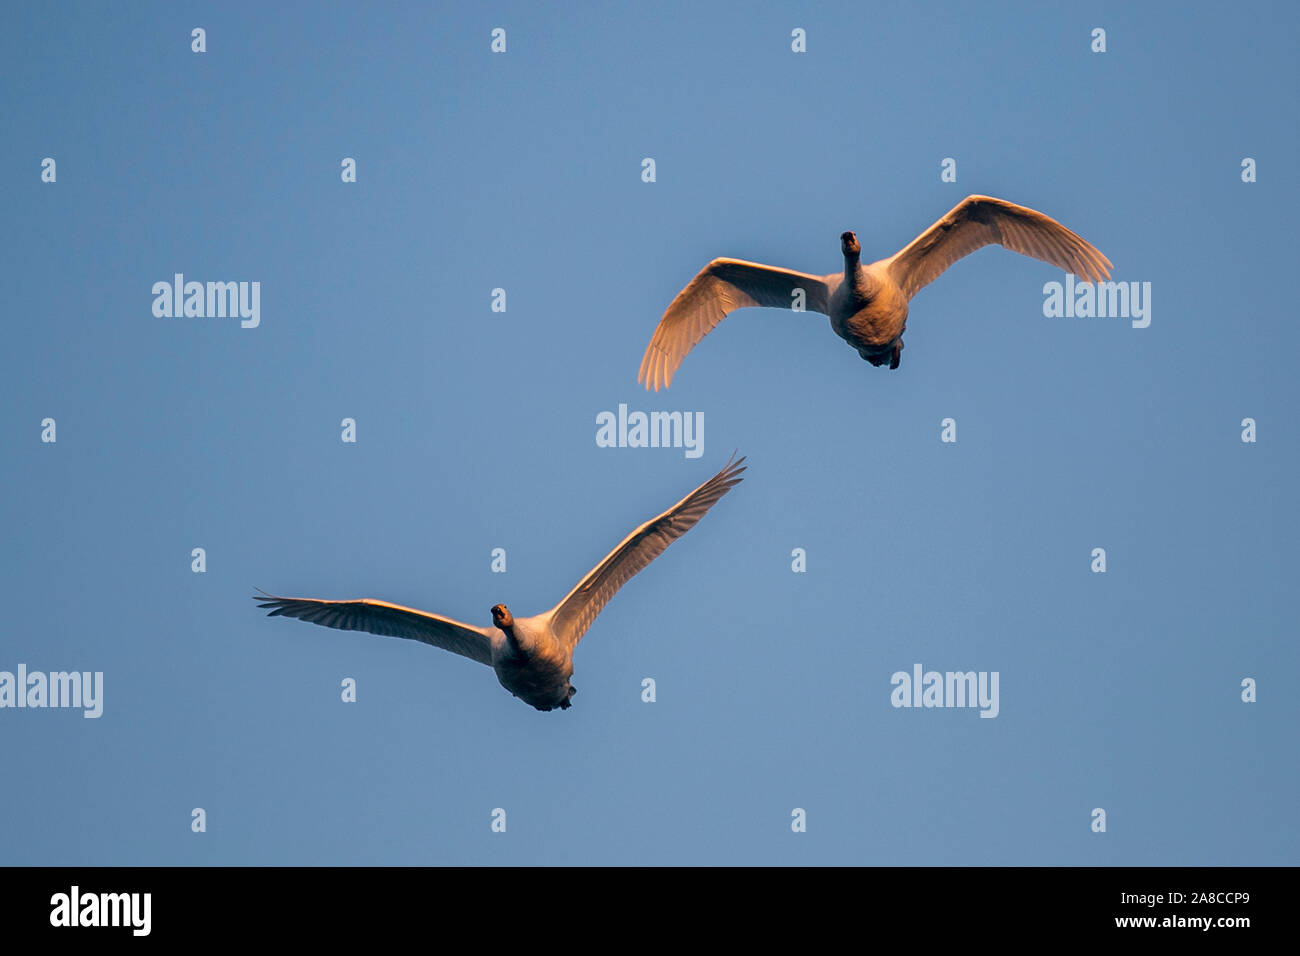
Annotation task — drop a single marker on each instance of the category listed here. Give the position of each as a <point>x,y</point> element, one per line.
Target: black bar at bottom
<point>558,907</point>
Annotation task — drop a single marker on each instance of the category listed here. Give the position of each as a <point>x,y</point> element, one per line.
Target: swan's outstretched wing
<point>722,287</point>
<point>391,620</point>
<point>573,615</point>
<point>978,221</point>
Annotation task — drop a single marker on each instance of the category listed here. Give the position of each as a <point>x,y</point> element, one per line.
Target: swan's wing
<point>573,615</point>
<point>978,221</point>
<point>722,287</point>
<point>391,620</point>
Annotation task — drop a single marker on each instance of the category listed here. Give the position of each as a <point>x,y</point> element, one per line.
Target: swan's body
<point>532,656</point>
<point>867,304</point>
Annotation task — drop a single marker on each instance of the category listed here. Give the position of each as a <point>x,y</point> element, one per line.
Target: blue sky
<point>476,430</point>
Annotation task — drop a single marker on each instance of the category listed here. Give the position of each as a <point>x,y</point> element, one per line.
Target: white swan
<point>867,305</point>
<point>532,656</point>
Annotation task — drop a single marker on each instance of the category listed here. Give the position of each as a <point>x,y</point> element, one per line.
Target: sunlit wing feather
<point>978,221</point>
<point>390,620</point>
<point>573,615</point>
<point>722,287</point>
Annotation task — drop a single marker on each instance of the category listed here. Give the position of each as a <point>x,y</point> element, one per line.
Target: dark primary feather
<point>390,620</point>
<point>573,615</point>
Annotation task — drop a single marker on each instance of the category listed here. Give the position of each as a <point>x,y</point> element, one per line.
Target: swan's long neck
<point>512,639</point>
<point>855,277</point>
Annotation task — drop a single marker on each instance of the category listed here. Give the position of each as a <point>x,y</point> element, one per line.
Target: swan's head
<point>502,617</point>
<point>849,244</point>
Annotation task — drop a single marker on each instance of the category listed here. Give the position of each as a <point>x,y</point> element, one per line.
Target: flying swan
<point>867,305</point>
<point>532,656</point>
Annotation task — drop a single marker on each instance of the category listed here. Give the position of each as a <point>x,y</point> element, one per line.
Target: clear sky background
<point>476,430</point>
